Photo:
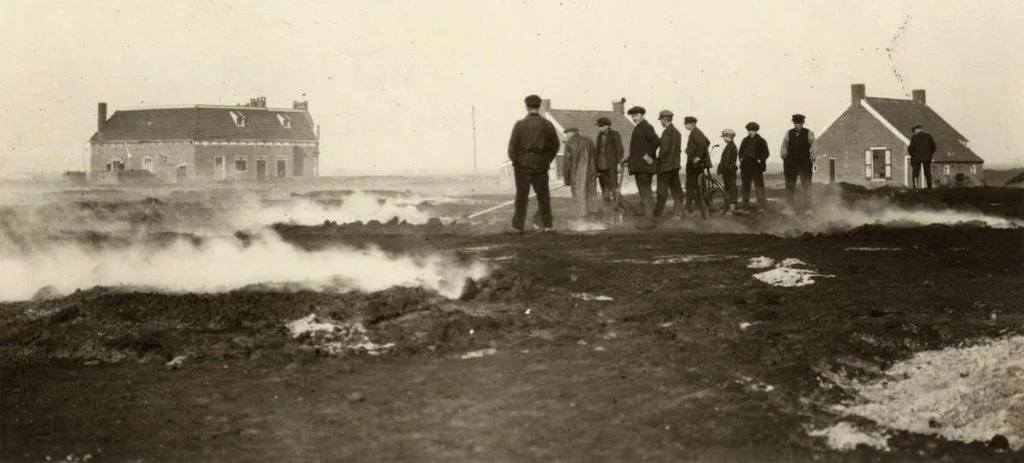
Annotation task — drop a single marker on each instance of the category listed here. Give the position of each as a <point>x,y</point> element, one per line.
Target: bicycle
<point>710,194</point>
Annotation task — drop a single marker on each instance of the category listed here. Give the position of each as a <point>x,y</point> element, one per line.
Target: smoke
<point>222,264</point>
<point>358,206</point>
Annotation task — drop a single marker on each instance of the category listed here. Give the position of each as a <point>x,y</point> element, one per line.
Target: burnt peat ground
<point>688,357</point>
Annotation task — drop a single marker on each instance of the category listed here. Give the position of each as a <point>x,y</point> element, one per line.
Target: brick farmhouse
<point>206,143</point>
<point>867,144</point>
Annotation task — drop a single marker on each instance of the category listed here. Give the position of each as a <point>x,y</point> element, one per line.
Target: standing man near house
<point>921,150</point>
<point>727,167</point>
<point>531,148</point>
<point>797,160</point>
<point>668,166</point>
<point>609,155</point>
<point>642,161</point>
<point>753,162</point>
<point>581,171</point>
<point>697,158</point>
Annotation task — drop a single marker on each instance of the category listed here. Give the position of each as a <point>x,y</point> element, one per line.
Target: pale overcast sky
<point>392,82</point>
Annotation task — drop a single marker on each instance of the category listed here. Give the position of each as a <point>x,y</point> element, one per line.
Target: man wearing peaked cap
<point>753,155</point>
<point>643,148</point>
<point>727,167</point>
<point>798,162</point>
<point>531,148</point>
<point>669,164</point>
<point>697,158</point>
<point>609,155</point>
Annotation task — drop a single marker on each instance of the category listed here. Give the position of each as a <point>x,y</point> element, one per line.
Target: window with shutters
<point>878,164</point>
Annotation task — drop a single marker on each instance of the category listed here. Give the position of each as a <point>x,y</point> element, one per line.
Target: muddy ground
<point>687,357</point>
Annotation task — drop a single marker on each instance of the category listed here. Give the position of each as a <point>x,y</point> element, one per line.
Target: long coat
<point>534,144</point>
<point>697,149</point>
<point>728,161</point>
<point>581,173</point>
<point>922,147</point>
<point>644,141</point>
<point>671,147</point>
<point>610,152</point>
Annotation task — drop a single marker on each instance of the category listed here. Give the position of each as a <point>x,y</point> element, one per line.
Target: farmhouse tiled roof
<point>585,121</point>
<point>904,114</point>
<point>207,123</point>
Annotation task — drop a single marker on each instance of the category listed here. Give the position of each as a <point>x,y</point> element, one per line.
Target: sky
<point>393,83</point>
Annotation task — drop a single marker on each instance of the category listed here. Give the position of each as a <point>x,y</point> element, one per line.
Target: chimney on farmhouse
<point>303,105</point>
<point>619,107</point>
<point>101,117</point>
<point>918,96</point>
<point>858,92</point>
<point>545,106</point>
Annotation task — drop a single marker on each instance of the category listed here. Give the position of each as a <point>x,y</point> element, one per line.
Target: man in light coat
<point>581,172</point>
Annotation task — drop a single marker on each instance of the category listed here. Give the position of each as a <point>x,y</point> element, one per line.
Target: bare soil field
<point>311,326</point>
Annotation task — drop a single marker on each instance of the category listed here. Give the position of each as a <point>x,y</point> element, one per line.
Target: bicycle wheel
<point>718,201</point>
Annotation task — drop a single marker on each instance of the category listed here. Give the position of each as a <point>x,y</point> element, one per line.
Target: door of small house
<point>261,169</point>
<point>832,170</point>
<point>219,168</point>
<point>282,168</point>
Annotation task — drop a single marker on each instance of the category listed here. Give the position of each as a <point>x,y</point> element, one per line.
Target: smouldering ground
<point>602,346</point>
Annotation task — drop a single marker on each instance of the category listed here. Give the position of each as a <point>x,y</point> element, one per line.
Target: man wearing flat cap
<point>797,162</point>
<point>753,155</point>
<point>697,158</point>
<point>668,166</point>
<point>921,149</point>
<point>531,148</point>
<point>581,171</point>
<point>642,161</point>
<point>609,156</point>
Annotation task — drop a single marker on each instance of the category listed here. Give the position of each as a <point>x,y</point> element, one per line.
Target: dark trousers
<point>753,175</point>
<point>798,168</point>
<point>609,182</point>
<point>643,186</point>
<point>915,173</point>
<point>729,182</point>
<point>691,186</point>
<point>539,181</point>
<point>669,181</point>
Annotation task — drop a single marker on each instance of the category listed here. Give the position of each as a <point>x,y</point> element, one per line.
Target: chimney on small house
<point>619,107</point>
<point>918,96</point>
<point>101,117</point>
<point>858,92</point>
<point>303,105</point>
<point>545,105</point>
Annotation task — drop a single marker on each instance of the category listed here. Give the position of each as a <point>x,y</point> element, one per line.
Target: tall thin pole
<point>474,139</point>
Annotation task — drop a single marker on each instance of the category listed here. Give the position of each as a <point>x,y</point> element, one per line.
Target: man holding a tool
<point>531,148</point>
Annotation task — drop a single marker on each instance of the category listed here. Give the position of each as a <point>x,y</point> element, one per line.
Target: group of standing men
<point>654,161</point>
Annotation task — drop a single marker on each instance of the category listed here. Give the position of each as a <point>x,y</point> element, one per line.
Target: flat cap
<point>798,118</point>
<point>728,133</point>
<point>915,127</point>
<point>636,110</point>
<point>604,122</point>
<point>571,130</point>
<point>532,101</point>
<point>665,113</point>
<point>689,120</point>
<point>753,126</point>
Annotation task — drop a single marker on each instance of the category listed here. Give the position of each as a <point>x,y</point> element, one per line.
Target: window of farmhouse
<point>974,168</point>
<point>241,164</point>
<point>284,120</point>
<point>878,164</point>
<point>945,169</point>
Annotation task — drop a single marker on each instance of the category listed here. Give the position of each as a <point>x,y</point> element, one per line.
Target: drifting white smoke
<point>358,206</point>
<point>222,264</point>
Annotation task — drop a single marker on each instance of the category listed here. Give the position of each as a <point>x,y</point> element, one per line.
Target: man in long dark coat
<point>697,158</point>
<point>668,166</point>
<point>609,156</point>
<point>531,148</point>
<point>921,149</point>
<point>753,155</point>
<point>643,157</point>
